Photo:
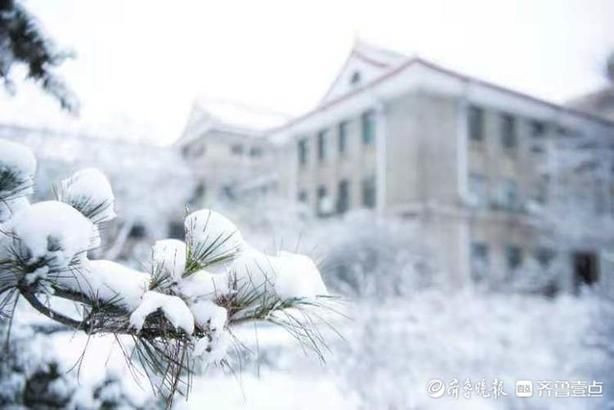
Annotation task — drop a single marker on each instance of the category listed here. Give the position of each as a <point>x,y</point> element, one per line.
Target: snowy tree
<point>180,312</point>
<point>22,41</point>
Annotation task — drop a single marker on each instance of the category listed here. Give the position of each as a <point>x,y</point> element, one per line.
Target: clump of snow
<point>212,233</point>
<point>89,191</point>
<point>297,277</point>
<point>203,285</point>
<point>18,160</point>
<point>53,232</point>
<point>173,308</point>
<point>253,270</point>
<point>169,256</point>
<point>105,280</point>
<point>208,314</point>
<point>289,275</point>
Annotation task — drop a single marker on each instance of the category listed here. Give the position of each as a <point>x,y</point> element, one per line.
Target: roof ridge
<point>450,72</point>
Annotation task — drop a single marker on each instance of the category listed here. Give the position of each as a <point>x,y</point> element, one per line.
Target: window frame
<point>475,124</point>
<point>367,127</point>
<point>509,132</point>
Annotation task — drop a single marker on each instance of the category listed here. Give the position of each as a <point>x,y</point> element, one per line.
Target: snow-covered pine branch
<point>181,311</point>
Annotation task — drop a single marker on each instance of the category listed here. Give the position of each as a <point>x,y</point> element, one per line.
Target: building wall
<point>430,159</point>
<point>222,160</point>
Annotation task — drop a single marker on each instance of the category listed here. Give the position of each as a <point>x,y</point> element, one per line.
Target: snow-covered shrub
<point>181,312</point>
<point>370,256</point>
<point>33,376</point>
<point>396,346</point>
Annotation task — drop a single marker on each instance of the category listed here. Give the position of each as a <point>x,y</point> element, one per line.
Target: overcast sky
<point>140,63</point>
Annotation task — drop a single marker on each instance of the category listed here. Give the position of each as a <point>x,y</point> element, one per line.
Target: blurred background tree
<point>609,68</point>
<point>23,42</point>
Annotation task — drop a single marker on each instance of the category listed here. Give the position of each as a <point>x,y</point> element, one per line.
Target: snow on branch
<point>181,311</point>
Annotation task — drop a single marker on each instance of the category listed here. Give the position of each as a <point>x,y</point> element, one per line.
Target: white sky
<point>140,63</point>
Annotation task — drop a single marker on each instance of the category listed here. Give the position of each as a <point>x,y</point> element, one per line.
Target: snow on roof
<point>229,116</point>
<point>366,60</point>
<point>238,115</point>
<point>396,71</point>
<point>377,54</point>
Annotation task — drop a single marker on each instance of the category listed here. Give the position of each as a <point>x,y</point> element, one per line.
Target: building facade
<point>473,163</point>
<point>225,145</point>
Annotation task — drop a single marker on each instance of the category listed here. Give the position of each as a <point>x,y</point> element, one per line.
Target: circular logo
<point>435,388</point>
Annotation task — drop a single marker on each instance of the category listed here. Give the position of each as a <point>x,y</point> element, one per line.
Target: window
<point>343,131</point>
<point>478,188</point>
<point>368,192</point>
<point>508,132</point>
<point>176,230</point>
<point>138,231</point>
<point>513,257</point>
<point>476,124</point>
<point>479,260</point>
<point>541,190</point>
<point>355,79</point>
<point>322,145</point>
<point>544,256</point>
<point>302,152</point>
<point>509,194</point>
<point>237,149</point>
<point>538,129</point>
<point>302,196</point>
<point>368,127</point>
<point>343,200</point>
<point>195,150</point>
<point>255,152</point>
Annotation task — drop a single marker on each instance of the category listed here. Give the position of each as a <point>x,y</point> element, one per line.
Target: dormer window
<point>355,79</point>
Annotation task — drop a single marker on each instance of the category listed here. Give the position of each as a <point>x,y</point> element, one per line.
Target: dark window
<point>302,196</point>
<point>137,231</point>
<point>513,257</point>
<point>586,269</point>
<point>508,132</point>
<point>302,152</point>
<point>476,123</point>
<point>538,129</point>
<point>322,145</point>
<point>541,189</point>
<point>544,256</point>
<point>237,149</point>
<point>343,131</point>
<point>355,78</point>
<point>176,230</point>
<point>368,127</point>
<point>368,192</point>
<point>198,194</point>
<point>479,260</point>
<point>228,192</point>
<point>343,201</point>
<point>509,194</point>
<point>255,152</point>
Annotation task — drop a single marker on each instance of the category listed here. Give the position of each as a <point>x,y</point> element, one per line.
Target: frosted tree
<point>181,312</point>
<point>22,41</point>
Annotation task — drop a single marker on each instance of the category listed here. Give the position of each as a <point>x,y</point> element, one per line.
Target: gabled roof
<point>366,59</point>
<point>231,117</point>
<point>402,72</point>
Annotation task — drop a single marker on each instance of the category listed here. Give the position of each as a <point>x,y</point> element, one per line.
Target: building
<point>225,145</point>
<point>473,163</point>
